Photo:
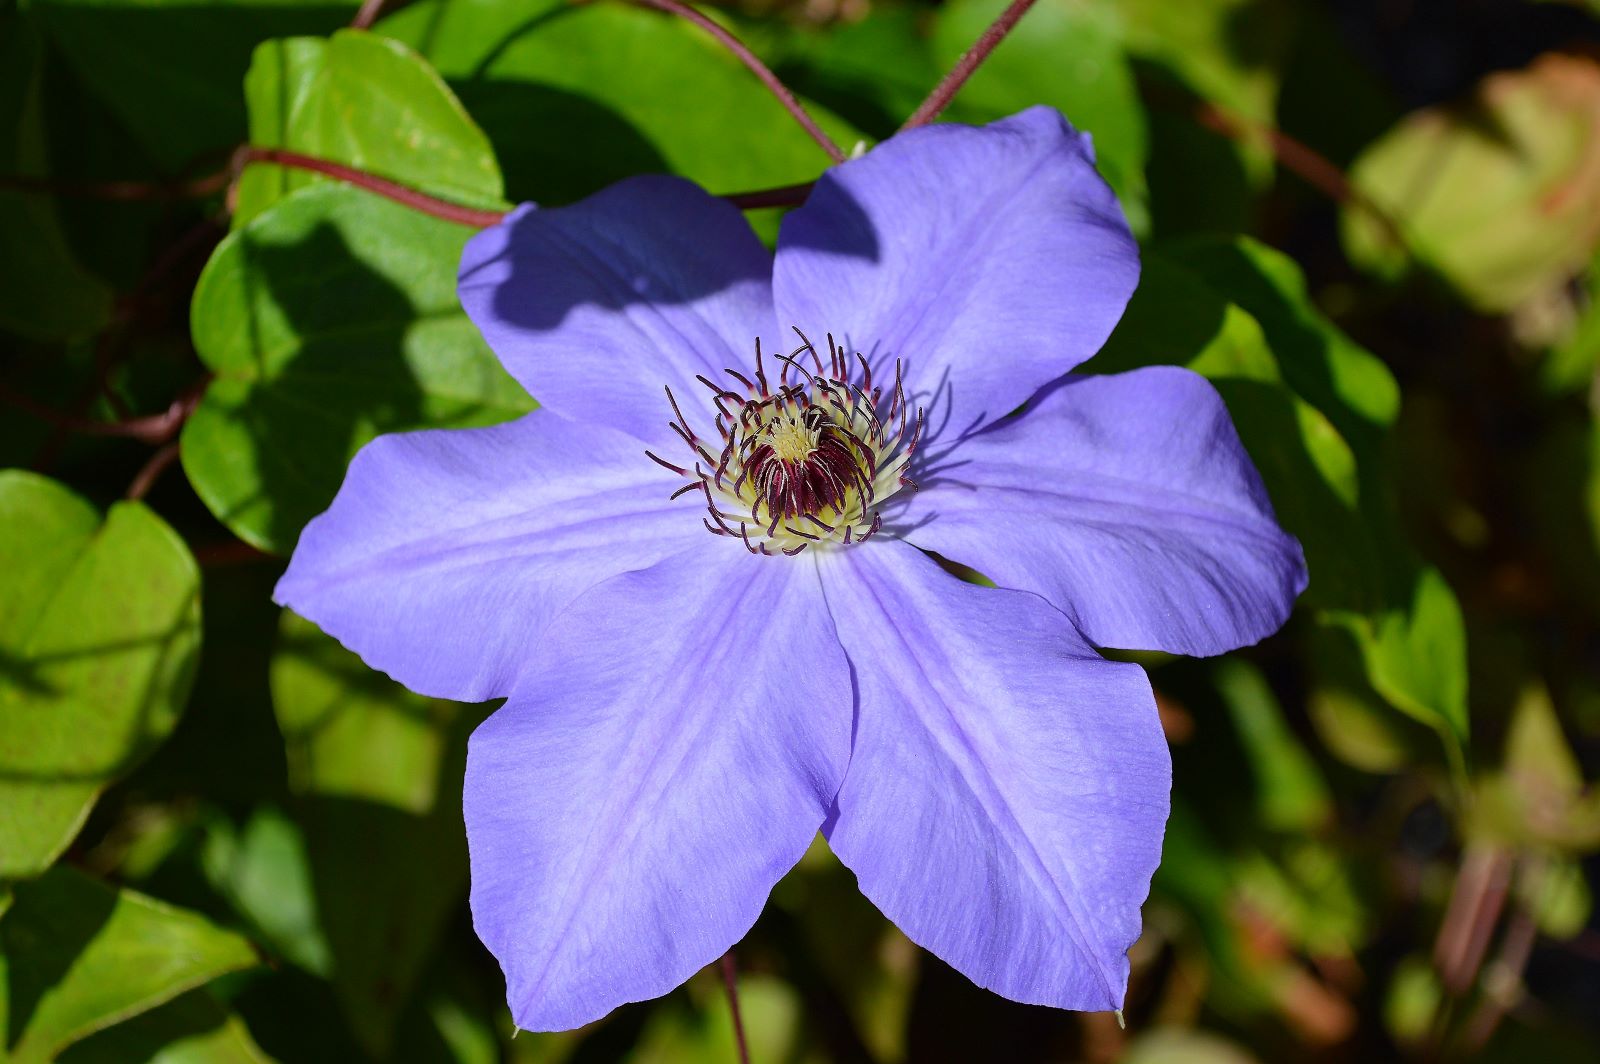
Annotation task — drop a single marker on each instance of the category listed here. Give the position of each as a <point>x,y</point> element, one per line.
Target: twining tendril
<point>967,65</point>
<point>753,63</point>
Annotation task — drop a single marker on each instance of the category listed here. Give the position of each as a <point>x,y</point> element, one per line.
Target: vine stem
<point>368,14</point>
<point>967,65</point>
<point>151,471</point>
<point>154,429</point>
<point>764,73</point>
<point>730,980</point>
<point>476,217</point>
<point>783,196</point>
<point>1311,166</point>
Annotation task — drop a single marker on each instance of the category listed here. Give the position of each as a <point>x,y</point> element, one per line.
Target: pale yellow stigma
<point>792,440</point>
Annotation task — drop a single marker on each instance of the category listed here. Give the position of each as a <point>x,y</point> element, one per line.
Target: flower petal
<point>1007,787</point>
<point>1128,502</point>
<point>672,754</point>
<point>596,306</point>
<point>1003,261</point>
<point>447,552</point>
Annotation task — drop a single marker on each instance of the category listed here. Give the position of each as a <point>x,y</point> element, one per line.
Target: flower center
<point>807,463</point>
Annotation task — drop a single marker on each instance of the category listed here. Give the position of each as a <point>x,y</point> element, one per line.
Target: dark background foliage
<point>1372,223</point>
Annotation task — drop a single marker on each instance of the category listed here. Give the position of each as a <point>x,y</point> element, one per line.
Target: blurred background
<point>1372,223</point>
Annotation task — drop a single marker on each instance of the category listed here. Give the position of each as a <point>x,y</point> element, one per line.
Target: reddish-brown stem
<point>1470,917</point>
<point>147,476</point>
<point>1502,981</point>
<point>1296,157</point>
<point>1300,159</point>
<point>154,429</point>
<point>476,217</point>
<point>368,14</point>
<point>969,62</point>
<point>233,552</point>
<point>784,196</point>
<point>762,72</point>
<point>730,980</point>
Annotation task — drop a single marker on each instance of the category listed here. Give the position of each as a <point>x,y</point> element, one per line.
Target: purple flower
<point>695,575</point>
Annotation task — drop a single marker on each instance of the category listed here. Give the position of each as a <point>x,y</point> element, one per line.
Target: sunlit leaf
<point>81,956</point>
<point>1498,194</point>
<point>575,96</point>
<point>190,1029</point>
<point>328,319</point>
<point>1417,655</point>
<point>1364,574</point>
<point>1310,471</point>
<point>99,628</point>
<point>367,102</point>
<point>1539,798</point>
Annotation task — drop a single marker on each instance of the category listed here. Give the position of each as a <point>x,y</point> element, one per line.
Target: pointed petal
<point>1128,502</point>
<point>1002,260</point>
<point>595,307</point>
<point>671,756</point>
<point>1007,787</point>
<point>447,552</point>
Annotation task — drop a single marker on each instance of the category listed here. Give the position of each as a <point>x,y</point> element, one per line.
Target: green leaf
<point>1183,1045</point>
<point>99,630</point>
<point>1335,499</point>
<point>1175,318</point>
<point>44,292</point>
<point>1404,616</point>
<point>190,1029</point>
<point>378,773</point>
<point>1573,362</point>
<point>1228,52</point>
<point>1324,366</point>
<point>1291,794</point>
<point>1417,655</point>
<point>1497,195</point>
<point>1539,798</point>
<point>367,102</point>
<point>770,1011</point>
<point>81,956</point>
<point>171,68</point>
<point>1068,55</point>
<point>1412,1002</point>
<point>575,96</point>
<point>351,732</point>
<point>1555,892</point>
<point>328,319</point>
<point>1355,723</point>
<point>264,872</point>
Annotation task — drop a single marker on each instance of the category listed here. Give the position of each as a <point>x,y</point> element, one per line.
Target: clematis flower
<point>700,574</point>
